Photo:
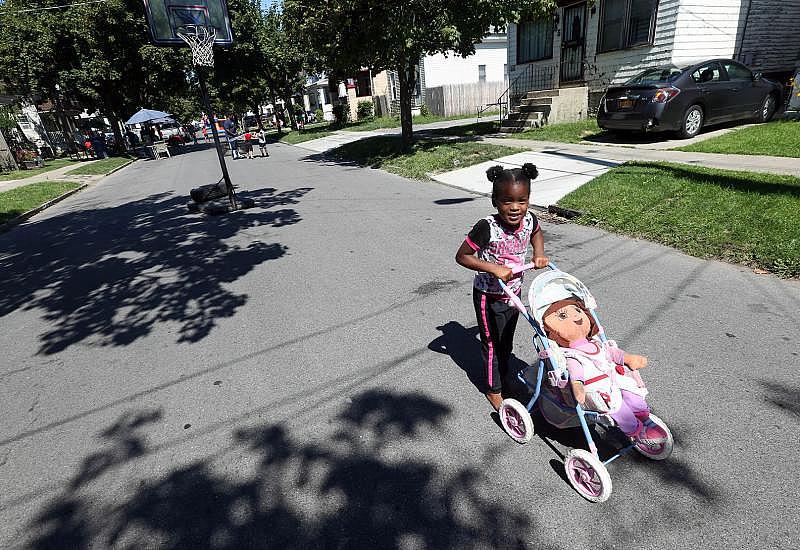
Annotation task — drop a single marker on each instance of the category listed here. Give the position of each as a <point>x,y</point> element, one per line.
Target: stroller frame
<point>590,460</point>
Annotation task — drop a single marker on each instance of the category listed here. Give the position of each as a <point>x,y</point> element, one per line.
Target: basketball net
<point>201,40</point>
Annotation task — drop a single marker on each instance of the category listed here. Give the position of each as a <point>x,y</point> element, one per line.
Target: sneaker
<point>651,434</point>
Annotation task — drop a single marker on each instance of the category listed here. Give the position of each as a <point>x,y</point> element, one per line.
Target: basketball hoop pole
<point>217,144</point>
<point>200,38</point>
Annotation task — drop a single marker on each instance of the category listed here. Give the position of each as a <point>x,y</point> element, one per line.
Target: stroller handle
<point>527,267</point>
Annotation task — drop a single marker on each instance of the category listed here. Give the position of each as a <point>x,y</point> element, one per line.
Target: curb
<point>10,224</point>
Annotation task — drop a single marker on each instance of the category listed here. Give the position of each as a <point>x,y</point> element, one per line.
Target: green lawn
<point>21,199</point>
<point>467,130</point>
<point>739,217</point>
<point>426,155</point>
<point>99,167</point>
<point>564,132</point>
<point>309,133</point>
<point>50,164</point>
<point>777,139</point>
<point>394,122</point>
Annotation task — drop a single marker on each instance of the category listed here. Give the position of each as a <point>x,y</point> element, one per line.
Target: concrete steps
<point>532,112</point>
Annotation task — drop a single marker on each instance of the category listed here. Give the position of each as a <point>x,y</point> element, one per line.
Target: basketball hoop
<point>200,39</point>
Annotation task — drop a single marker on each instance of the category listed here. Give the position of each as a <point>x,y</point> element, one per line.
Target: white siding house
<point>593,43</point>
<point>487,64</point>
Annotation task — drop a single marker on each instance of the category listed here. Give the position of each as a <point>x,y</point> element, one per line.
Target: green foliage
<point>424,110</point>
<point>365,110</point>
<point>384,34</point>
<point>319,115</point>
<point>341,113</point>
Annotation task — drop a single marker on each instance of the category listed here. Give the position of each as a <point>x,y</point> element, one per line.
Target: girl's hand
<point>503,273</point>
<point>541,261</point>
<point>635,362</point>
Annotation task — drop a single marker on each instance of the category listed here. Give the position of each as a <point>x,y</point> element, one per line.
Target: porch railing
<point>532,78</point>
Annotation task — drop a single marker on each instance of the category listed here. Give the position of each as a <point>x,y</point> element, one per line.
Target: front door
<point>573,41</point>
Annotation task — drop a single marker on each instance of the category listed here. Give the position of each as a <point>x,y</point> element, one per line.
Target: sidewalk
<point>342,137</point>
<point>564,167</point>
<point>57,174</point>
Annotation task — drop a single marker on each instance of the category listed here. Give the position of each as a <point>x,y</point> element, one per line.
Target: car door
<point>714,88</point>
<point>746,94</point>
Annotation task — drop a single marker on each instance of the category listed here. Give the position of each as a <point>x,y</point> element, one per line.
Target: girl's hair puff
<point>500,176</point>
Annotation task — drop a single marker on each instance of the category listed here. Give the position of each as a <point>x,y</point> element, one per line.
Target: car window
<point>710,72</point>
<point>654,76</point>
<point>737,72</point>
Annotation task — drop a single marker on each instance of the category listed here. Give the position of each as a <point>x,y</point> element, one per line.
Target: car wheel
<point>767,108</point>
<point>692,122</point>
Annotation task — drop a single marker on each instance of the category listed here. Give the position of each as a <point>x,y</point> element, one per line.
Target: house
<point>560,65</point>
<point>381,88</point>
<point>487,64</point>
<point>461,85</point>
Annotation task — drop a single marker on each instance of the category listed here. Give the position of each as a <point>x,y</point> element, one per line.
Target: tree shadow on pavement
<point>363,486</point>
<point>108,275</point>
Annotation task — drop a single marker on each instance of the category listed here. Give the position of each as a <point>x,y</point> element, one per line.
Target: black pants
<point>497,321</point>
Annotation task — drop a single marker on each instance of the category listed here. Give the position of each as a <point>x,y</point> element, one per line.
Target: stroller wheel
<point>516,420</point>
<point>588,475</point>
<point>656,450</point>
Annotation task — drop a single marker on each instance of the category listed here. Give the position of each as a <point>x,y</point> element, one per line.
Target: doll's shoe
<point>651,434</point>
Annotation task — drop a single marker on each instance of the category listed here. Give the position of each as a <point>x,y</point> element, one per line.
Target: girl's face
<point>512,203</point>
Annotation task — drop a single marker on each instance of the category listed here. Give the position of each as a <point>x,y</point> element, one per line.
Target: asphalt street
<point>300,375</point>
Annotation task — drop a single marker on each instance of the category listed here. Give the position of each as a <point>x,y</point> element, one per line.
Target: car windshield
<point>654,76</point>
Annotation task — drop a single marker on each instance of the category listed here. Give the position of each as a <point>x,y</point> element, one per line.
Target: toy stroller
<point>585,470</point>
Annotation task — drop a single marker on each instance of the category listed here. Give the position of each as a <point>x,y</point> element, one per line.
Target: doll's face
<point>570,322</point>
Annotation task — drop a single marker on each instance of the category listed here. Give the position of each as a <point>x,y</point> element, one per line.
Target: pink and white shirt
<point>494,243</point>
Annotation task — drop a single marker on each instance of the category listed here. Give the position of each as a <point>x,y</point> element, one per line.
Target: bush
<point>341,113</point>
<point>365,109</point>
<point>319,115</point>
<point>424,111</point>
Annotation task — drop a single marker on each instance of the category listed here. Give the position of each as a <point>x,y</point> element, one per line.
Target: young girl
<point>496,244</point>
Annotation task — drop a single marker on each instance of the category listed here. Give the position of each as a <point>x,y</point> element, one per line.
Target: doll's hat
<point>555,285</point>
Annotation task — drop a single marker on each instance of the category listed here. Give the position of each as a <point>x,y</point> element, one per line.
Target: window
<point>363,87</point>
<point>535,40</point>
<point>481,73</point>
<point>737,72</point>
<point>626,23</point>
<point>711,72</point>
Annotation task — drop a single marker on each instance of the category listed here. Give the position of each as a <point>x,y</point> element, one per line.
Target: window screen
<point>626,23</point>
<point>535,40</point>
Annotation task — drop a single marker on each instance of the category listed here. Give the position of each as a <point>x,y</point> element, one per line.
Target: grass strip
<point>293,137</point>
<point>394,122</point>
<point>738,217</point>
<point>52,164</point>
<point>99,167</point>
<point>775,139</point>
<point>564,132</point>
<point>425,155</point>
<point>19,200</point>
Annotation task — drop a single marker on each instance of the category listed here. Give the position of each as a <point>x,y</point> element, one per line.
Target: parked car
<point>685,99</point>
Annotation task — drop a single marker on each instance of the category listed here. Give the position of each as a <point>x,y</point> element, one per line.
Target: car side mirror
<point>757,77</point>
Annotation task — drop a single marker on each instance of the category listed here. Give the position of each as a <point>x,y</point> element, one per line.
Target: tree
<point>385,34</point>
<point>96,55</point>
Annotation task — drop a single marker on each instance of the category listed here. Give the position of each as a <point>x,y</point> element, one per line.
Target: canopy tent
<point>147,115</point>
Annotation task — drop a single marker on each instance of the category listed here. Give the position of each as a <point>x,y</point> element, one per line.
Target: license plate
<point>625,103</point>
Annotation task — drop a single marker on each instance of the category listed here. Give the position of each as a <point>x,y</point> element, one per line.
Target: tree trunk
<point>257,110</point>
<point>287,101</point>
<point>275,113</point>
<point>406,76</point>
<point>119,140</point>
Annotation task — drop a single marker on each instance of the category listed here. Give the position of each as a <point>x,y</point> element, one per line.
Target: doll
<point>603,377</point>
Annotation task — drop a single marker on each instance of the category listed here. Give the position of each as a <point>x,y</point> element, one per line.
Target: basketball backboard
<point>166,17</point>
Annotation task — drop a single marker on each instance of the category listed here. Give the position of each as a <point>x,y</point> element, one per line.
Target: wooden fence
<point>462,99</point>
